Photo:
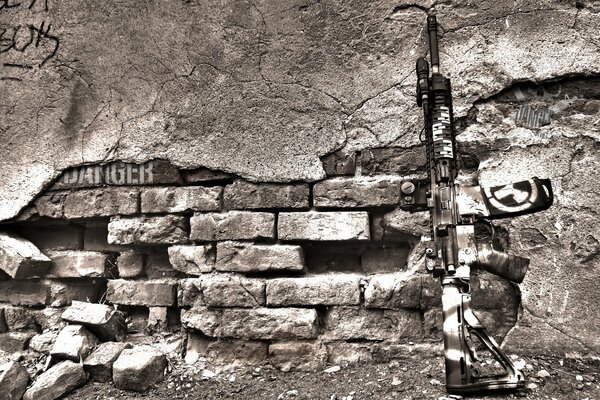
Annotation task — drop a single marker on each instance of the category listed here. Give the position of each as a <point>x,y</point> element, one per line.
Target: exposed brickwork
<point>179,199</point>
<point>248,257</point>
<point>193,260</point>
<point>102,202</point>
<point>245,195</point>
<point>80,264</point>
<point>167,229</point>
<point>233,225</point>
<point>358,192</point>
<point>351,225</point>
<point>142,293</point>
<point>315,290</point>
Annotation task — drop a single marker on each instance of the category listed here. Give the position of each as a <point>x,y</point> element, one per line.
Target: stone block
<point>13,342</point>
<point>80,264</point>
<point>248,257</point>
<point>346,323</point>
<point>101,202</point>
<point>16,318</point>
<point>53,292</point>
<point>232,225</point>
<point>339,163</point>
<point>343,225</point>
<point>13,380</point>
<point>192,260</point>
<point>58,381</point>
<point>492,292</point>
<point>51,205</point>
<point>394,291</point>
<point>298,356</point>
<point>358,192</point>
<point>139,368</point>
<point>180,199</point>
<point>102,320</point>
<point>130,264</point>
<point>74,342</point>
<point>229,290</point>
<point>244,195</point>
<point>99,364</point>
<point>21,259</point>
<point>158,319</point>
<point>253,323</point>
<point>236,352</point>
<point>142,293</point>
<point>43,342</point>
<point>168,229</point>
<point>399,225</point>
<point>345,353</point>
<point>339,289</point>
<point>189,292</point>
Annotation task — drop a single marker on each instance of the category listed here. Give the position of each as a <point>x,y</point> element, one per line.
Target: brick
<point>221,290</point>
<point>21,259</point>
<point>357,192</point>
<point>67,237</point>
<point>298,356</point>
<point>243,195</point>
<point>157,319</point>
<point>80,264</point>
<point>139,368</point>
<point>344,353</point>
<point>150,173</point>
<point>192,260</point>
<point>13,380</point>
<point>229,290</point>
<point>74,342</point>
<point>158,266</point>
<point>142,293</point>
<point>346,323</point>
<point>101,202</point>
<point>130,264</point>
<point>339,163</point>
<point>248,257</point>
<point>394,291</point>
<point>51,205</point>
<point>99,364</point>
<point>54,292</point>
<point>102,320</point>
<point>59,380</point>
<point>253,323</point>
<point>180,199</point>
<point>399,225</point>
<point>236,352</point>
<point>393,160</point>
<point>169,229</point>
<point>205,175</point>
<point>349,225</point>
<point>233,225</point>
<point>314,290</point>
<point>16,318</point>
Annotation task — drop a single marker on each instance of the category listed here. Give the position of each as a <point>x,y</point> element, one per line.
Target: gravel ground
<point>548,378</point>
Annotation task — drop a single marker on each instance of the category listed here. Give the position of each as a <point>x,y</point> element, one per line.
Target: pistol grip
<point>502,264</point>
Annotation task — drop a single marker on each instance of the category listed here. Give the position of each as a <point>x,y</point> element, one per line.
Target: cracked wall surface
<point>266,89</point>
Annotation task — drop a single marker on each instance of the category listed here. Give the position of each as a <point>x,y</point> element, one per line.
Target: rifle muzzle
<point>502,264</point>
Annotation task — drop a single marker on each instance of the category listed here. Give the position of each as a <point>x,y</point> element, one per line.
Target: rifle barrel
<point>433,44</point>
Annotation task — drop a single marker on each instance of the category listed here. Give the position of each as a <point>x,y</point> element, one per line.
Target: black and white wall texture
<point>230,170</point>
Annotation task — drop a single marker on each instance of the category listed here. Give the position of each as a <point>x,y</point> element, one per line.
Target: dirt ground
<point>547,378</point>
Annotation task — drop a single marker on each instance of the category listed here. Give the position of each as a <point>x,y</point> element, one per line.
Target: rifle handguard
<point>502,264</point>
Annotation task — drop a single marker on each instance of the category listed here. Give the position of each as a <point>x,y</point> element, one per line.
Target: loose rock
<point>13,380</point>
<point>74,342</point>
<point>59,380</point>
<point>104,321</point>
<point>139,368</point>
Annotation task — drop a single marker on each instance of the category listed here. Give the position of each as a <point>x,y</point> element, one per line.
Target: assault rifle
<point>453,248</point>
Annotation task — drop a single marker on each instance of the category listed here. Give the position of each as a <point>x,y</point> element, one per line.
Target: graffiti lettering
<point>25,46</point>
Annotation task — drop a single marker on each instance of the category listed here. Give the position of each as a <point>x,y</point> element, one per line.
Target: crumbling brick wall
<point>299,274</point>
